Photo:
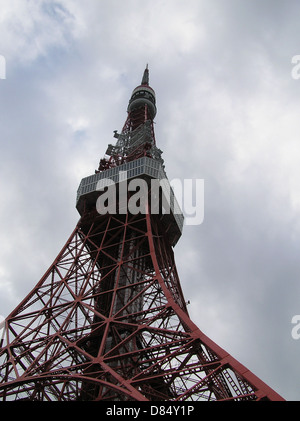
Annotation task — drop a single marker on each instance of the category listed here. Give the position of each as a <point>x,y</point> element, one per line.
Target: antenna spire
<point>145,80</point>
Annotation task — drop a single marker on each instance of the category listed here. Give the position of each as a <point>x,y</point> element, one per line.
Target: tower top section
<point>145,80</point>
<point>143,96</point>
<point>135,158</point>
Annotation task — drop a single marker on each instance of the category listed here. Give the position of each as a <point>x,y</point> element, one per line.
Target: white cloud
<point>30,29</point>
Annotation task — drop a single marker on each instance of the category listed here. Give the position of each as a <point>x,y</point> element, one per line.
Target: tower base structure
<point>89,331</point>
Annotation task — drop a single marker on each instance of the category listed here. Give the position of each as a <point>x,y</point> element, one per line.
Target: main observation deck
<point>147,169</point>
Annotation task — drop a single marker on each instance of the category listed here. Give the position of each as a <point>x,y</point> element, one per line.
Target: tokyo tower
<point>108,320</point>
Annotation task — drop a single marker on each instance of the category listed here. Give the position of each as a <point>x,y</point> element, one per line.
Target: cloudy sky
<point>228,113</point>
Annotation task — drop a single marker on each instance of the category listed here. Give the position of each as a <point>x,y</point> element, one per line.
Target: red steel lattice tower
<point>108,320</point>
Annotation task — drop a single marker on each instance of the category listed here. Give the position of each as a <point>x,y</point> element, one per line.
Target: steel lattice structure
<point>108,321</point>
